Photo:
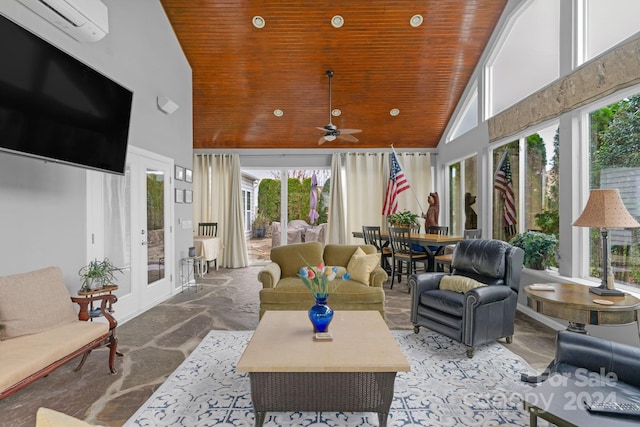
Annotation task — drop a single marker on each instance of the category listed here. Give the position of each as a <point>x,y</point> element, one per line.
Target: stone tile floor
<point>157,341</point>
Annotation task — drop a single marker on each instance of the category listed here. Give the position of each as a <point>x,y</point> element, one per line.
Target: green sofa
<point>282,289</point>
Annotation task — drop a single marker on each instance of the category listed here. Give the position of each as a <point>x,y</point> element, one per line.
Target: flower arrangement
<point>317,279</point>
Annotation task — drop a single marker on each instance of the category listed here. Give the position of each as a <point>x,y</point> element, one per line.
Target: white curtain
<point>336,230</point>
<point>117,224</point>
<point>217,184</point>
<point>367,175</point>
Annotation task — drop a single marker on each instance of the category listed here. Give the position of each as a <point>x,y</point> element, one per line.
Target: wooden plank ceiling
<point>241,73</point>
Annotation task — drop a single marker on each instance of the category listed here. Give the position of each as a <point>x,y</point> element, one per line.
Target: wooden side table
<point>109,289</point>
<point>577,305</point>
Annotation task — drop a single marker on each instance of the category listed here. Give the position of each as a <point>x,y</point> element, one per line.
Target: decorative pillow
<point>459,284</point>
<point>34,302</point>
<point>361,265</point>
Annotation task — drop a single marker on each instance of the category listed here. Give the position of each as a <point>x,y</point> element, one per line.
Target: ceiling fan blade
<point>321,140</point>
<point>348,137</point>
<point>349,131</point>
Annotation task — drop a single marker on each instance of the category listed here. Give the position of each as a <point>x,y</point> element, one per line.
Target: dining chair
<point>441,230</point>
<point>208,229</point>
<point>371,235</point>
<point>401,253</point>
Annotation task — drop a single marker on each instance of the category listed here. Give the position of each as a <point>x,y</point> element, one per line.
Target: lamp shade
<point>605,209</point>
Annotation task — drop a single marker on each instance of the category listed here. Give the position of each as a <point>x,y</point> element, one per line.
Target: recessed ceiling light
<point>336,112</point>
<point>258,21</point>
<point>278,113</point>
<point>394,112</point>
<point>337,21</point>
<point>416,20</point>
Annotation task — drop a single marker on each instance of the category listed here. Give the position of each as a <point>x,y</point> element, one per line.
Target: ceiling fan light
<point>258,21</point>
<point>330,137</point>
<point>336,112</point>
<point>416,21</point>
<point>394,112</point>
<point>337,21</point>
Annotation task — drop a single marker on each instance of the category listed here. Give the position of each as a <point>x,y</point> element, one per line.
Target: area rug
<point>444,388</point>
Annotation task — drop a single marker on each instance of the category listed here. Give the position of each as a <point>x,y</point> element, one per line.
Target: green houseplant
<point>260,225</point>
<point>98,274</point>
<point>403,219</point>
<point>539,248</point>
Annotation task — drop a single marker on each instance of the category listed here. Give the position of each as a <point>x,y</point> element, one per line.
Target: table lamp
<point>605,210</point>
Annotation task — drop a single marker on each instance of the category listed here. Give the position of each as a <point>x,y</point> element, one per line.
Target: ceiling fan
<point>331,132</point>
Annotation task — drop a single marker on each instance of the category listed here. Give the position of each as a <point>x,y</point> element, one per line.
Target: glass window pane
<point>506,191</point>
<point>615,164</point>
<point>529,57</point>
<point>470,193</point>
<point>455,194</point>
<point>155,225</point>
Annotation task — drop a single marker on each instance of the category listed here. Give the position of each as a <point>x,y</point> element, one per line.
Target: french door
<point>128,221</point>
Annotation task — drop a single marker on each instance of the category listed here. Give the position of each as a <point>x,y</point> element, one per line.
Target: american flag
<point>397,184</point>
<point>503,182</point>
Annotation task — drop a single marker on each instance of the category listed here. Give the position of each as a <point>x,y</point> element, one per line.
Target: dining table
<point>426,240</point>
<point>208,247</point>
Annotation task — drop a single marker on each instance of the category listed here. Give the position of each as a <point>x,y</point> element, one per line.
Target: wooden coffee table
<point>355,372</point>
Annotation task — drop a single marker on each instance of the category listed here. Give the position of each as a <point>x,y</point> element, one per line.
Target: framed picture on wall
<point>179,173</point>
<point>179,195</point>
<point>188,175</point>
<point>188,196</point>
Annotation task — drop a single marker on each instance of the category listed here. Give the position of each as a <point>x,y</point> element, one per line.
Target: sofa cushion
<point>361,265</point>
<point>46,417</point>
<point>34,302</point>
<point>341,254</point>
<point>460,284</point>
<point>291,291</point>
<point>291,258</point>
<point>23,356</point>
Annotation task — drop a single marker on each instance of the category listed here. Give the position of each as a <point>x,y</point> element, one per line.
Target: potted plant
<point>260,225</point>
<point>98,274</point>
<point>539,248</point>
<point>403,219</point>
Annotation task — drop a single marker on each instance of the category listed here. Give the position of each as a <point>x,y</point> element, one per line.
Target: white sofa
<point>299,231</point>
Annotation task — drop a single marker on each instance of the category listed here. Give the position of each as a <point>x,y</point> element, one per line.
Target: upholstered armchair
<point>476,302</point>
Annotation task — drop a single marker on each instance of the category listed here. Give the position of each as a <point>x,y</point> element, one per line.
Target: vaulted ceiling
<point>381,62</point>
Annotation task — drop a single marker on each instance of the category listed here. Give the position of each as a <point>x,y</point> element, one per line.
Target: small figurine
<point>471,218</point>
<point>431,217</point>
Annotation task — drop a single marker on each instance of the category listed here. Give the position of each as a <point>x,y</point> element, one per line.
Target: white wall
<point>43,205</point>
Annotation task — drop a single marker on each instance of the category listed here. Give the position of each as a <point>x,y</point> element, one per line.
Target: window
<point>506,194</point>
<point>247,204</point>
<point>541,181</point>
<point>609,23</point>
<point>614,154</point>
<point>463,190</point>
<point>468,117</point>
<point>528,58</point>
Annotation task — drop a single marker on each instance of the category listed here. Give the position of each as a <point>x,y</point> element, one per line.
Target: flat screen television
<point>56,108</point>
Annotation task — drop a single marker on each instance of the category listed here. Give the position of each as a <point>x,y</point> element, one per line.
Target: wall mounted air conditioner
<point>84,20</point>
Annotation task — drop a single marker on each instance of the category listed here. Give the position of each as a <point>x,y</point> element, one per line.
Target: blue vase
<point>320,315</point>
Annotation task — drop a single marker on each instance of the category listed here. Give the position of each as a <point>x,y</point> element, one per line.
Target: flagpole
<point>411,187</point>
<point>504,154</point>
